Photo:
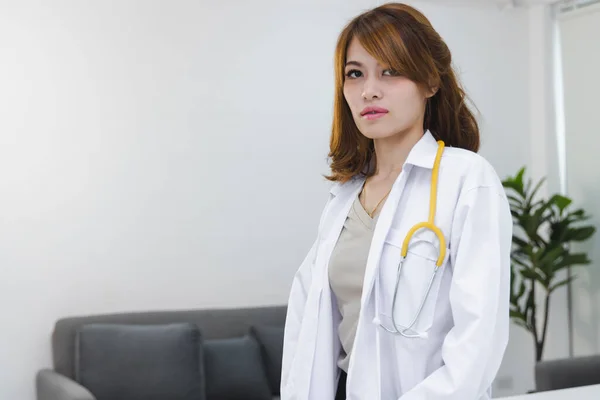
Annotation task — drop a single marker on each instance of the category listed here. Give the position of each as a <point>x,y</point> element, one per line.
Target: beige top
<point>346,273</point>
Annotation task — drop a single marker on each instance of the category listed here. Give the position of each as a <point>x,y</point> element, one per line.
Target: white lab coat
<point>464,325</point>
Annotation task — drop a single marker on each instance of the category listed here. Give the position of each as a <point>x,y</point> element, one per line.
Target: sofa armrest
<point>51,385</point>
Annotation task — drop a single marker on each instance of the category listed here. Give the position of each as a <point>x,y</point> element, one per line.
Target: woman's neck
<point>391,152</point>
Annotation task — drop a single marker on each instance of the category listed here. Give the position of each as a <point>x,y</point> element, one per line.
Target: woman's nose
<point>371,90</point>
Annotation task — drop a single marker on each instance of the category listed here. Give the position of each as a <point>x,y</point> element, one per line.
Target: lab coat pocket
<point>415,283</point>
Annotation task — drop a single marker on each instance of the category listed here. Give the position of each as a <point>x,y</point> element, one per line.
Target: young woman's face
<point>398,104</point>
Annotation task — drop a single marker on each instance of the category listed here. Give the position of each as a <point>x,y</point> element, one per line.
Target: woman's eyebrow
<point>356,63</point>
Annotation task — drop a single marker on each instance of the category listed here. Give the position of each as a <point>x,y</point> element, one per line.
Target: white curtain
<point>579,33</point>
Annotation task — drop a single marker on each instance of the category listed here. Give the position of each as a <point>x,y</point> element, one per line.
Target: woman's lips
<point>374,115</point>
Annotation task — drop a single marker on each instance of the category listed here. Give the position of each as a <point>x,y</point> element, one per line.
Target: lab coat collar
<point>423,152</point>
<point>421,155</point>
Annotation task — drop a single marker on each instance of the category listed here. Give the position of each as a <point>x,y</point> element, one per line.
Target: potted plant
<point>545,229</point>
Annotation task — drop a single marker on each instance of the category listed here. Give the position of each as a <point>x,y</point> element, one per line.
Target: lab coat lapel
<point>344,196</point>
<point>384,222</point>
<point>422,155</point>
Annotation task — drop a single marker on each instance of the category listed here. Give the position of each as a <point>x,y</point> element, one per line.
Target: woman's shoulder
<point>469,168</point>
<point>337,186</point>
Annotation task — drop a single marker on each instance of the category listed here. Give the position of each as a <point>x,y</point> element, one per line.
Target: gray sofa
<point>218,346</point>
<point>567,373</point>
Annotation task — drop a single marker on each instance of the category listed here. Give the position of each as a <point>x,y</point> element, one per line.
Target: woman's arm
<point>296,302</point>
<point>295,312</point>
<point>479,296</point>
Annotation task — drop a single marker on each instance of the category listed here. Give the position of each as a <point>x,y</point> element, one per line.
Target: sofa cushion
<point>140,362</point>
<point>270,339</point>
<point>234,370</point>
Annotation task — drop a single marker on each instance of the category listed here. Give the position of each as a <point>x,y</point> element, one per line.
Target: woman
<point>403,151</point>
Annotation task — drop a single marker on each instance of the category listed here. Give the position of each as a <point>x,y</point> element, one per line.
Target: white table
<point>578,393</point>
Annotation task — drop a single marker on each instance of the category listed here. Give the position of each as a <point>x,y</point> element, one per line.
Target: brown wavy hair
<point>402,38</point>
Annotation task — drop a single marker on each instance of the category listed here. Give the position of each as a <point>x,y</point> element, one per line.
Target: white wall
<point>160,155</point>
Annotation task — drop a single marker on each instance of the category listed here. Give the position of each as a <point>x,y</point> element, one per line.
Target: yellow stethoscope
<point>429,224</point>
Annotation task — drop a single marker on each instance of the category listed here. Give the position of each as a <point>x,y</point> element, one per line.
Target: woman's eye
<point>353,73</point>
<point>391,72</point>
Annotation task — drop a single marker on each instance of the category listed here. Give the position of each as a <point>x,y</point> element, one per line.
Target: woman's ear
<point>430,92</point>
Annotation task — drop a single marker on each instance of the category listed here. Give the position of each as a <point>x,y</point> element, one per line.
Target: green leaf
<point>551,253</point>
<point>561,283</point>
<point>534,191</point>
<point>514,186</point>
<point>540,216</point>
<point>579,234</point>
<point>515,202</point>
<point>517,294</point>
<point>561,202</point>
<point>577,216</point>
<point>516,183</point>
<point>520,174</point>
<point>572,259</point>
<point>531,274</point>
<point>520,242</point>
<point>517,315</point>
<point>548,260</point>
<point>521,291</point>
<point>521,263</point>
